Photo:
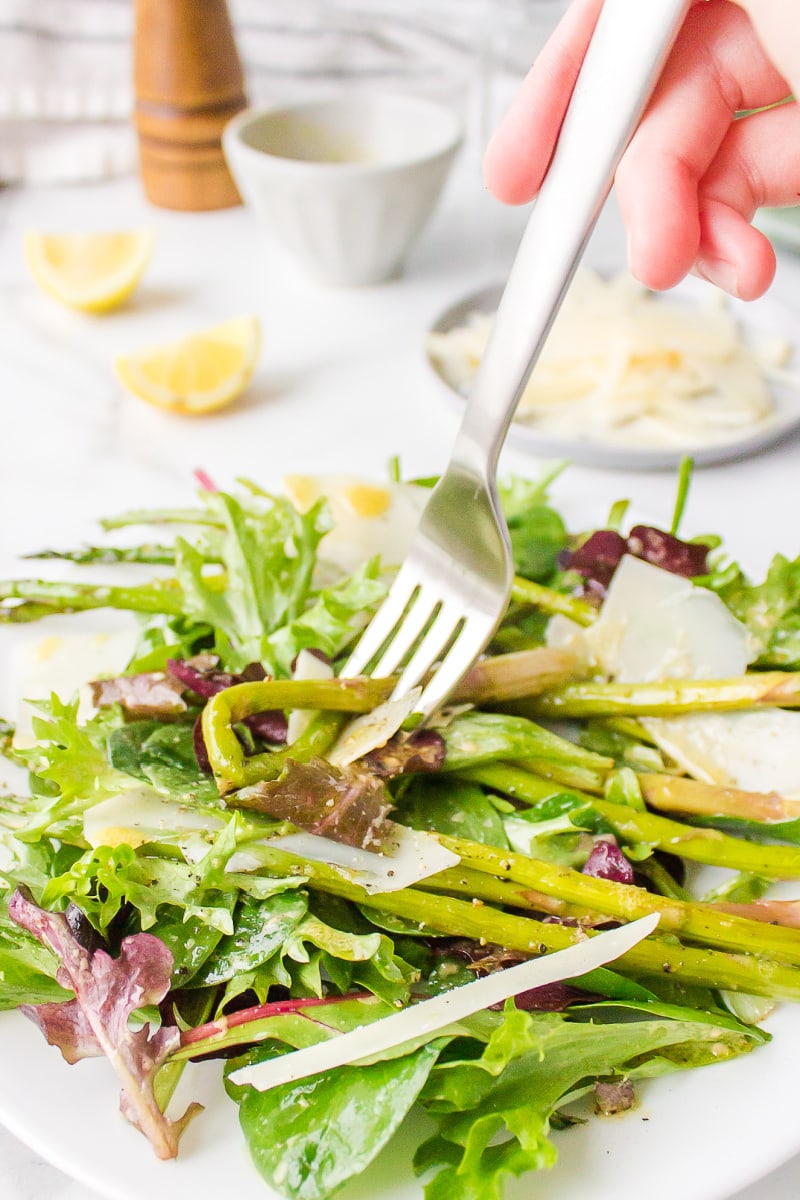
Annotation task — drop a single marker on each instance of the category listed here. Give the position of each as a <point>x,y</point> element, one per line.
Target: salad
<point>220,850</point>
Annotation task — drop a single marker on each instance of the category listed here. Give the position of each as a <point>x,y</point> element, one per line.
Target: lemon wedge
<point>93,272</point>
<point>197,374</point>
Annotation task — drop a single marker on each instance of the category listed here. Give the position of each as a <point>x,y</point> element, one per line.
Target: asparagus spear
<point>448,915</point>
<point>151,554</point>
<point>666,698</point>
<point>690,919</point>
<point>670,793</point>
<point>525,592</point>
<point>708,846</point>
<point>702,845</point>
<point>161,596</point>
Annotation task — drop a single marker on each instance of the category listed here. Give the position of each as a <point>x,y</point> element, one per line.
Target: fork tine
<point>461,655</point>
<point>425,607</point>
<point>382,624</point>
<point>445,624</point>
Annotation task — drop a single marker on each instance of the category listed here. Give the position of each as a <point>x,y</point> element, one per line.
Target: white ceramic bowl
<point>345,184</point>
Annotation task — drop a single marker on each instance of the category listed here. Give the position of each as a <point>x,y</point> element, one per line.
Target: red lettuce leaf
<point>348,805</point>
<point>150,694</point>
<point>107,990</point>
<point>201,676</point>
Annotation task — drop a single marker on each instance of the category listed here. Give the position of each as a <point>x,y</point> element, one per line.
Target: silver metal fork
<point>453,588</point>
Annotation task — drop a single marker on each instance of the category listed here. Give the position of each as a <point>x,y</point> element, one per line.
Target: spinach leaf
<point>309,1138</point>
<point>456,807</point>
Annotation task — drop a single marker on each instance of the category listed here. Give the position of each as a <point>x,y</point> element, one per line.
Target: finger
<point>758,164</point>
<point>777,25</point>
<point>732,254</point>
<point>520,150</point>
<point>716,68</point>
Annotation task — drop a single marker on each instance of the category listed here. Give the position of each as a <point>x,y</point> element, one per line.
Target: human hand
<point>693,176</point>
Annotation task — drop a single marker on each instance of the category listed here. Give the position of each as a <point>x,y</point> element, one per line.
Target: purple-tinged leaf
<point>485,959</point>
<point>345,804</point>
<point>552,997</point>
<point>199,746</point>
<point>598,557</point>
<point>202,677</point>
<point>607,861</point>
<point>82,929</point>
<point>408,754</point>
<point>271,726</point>
<point>107,990</point>
<point>151,694</point>
<point>688,559</point>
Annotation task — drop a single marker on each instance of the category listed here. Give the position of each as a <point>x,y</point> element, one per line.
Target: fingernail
<point>722,274</point>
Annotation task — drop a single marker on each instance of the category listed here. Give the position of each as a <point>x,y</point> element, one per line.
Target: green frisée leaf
<point>106,878</point>
<point>770,610</point>
<point>70,761</point>
<point>267,553</point>
<point>495,1111</point>
<point>331,620</point>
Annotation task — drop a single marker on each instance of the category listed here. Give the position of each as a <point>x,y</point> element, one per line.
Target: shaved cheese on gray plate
<point>410,855</point>
<point>423,1020</point>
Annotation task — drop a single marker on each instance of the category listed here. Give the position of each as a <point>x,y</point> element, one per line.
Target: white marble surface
<point>342,384</point>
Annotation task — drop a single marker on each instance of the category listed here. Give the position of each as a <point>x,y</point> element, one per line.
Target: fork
<point>453,587</point>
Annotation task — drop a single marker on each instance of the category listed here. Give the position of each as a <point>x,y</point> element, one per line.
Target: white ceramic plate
<point>762,316</point>
<point>700,1135</point>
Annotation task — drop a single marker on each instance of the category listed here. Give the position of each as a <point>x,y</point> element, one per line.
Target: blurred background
<point>65,67</point>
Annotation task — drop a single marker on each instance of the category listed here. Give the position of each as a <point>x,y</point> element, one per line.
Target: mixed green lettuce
<point>151,915</point>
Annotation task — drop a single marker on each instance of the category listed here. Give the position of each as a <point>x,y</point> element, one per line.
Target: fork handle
<point>624,60</point>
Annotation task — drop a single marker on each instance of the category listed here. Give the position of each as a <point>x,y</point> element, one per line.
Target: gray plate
<point>764,316</point>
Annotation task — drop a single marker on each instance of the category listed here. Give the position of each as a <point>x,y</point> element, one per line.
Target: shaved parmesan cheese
<point>368,519</point>
<point>621,365</point>
<point>408,856</point>
<point>758,751</point>
<point>308,666</point>
<point>64,664</point>
<point>373,729</point>
<point>419,1022</point>
<point>656,625</point>
<point>140,814</point>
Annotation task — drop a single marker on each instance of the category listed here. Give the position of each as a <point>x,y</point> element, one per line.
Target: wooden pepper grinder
<point>188,82</point>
